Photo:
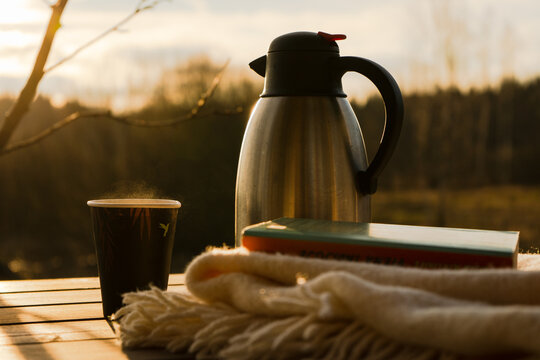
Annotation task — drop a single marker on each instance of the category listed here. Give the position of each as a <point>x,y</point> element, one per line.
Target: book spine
<point>376,254</point>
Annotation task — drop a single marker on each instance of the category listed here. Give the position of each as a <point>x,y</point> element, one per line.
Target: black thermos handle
<point>393,103</point>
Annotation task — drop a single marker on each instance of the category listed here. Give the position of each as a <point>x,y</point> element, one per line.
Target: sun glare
<point>20,30</point>
<point>15,38</point>
<point>21,12</point>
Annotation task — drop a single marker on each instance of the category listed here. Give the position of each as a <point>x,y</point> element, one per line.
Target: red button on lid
<point>332,37</point>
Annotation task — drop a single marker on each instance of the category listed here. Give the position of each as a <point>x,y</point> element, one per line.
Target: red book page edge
<point>375,254</point>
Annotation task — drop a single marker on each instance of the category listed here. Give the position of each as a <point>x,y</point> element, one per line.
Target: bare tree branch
<point>109,115</point>
<point>194,113</point>
<point>27,95</point>
<point>21,105</point>
<point>142,6</point>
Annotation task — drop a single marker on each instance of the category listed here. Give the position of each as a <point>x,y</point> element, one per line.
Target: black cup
<point>133,239</point>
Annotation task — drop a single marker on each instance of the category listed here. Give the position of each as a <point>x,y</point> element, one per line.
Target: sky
<point>421,42</point>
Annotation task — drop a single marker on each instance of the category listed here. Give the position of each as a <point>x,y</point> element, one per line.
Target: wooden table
<point>63,319</point>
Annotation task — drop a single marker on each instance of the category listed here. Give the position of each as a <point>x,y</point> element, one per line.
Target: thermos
<point>303,153</point>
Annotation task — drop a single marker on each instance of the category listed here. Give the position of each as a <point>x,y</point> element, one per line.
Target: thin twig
<point>108,115</point>
<point>142,6</point>
<point>55,127</point>
<point>194,113</point>
<point>174,121</point>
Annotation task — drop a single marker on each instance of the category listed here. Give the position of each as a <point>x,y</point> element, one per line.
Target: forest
<point>465,158</point>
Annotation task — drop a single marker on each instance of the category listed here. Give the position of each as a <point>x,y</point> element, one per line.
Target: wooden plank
<point>83,350</point>
<point>9,286</point>
<point>40,333</point>
<point>55,312</point>
<point>18,315</point>
<point>177,279</point>
<point>17,299</point>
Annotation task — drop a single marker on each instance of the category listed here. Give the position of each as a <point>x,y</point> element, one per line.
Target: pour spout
<point>259,65</point>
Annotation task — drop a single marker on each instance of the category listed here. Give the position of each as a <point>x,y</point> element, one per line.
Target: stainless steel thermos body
<point>303,153</point>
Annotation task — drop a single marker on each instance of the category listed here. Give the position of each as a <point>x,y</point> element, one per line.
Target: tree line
<point>458,139</point>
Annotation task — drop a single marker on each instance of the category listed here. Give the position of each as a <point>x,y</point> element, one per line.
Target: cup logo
<point>165,228</point>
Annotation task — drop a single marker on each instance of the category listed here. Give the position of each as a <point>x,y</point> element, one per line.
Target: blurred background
<point>467,157</point>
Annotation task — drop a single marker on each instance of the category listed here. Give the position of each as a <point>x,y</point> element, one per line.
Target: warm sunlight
<point>20,26</point>
<point>22,12</point>
<point>16,61</point>
<point>334,172</point>
<point>15,38</point>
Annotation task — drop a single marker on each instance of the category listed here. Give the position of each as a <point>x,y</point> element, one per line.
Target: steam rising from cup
<point>133,190</point>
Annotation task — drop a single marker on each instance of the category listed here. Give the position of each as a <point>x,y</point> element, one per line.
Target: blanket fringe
<point>182,323</point>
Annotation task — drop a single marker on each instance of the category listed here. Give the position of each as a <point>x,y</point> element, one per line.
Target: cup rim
<point>135,203</point>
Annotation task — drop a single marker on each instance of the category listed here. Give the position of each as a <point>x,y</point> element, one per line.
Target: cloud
<point>391,32</point>
<point>11,84</point>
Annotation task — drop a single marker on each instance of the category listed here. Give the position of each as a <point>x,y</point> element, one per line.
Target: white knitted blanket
<point>243,305</point>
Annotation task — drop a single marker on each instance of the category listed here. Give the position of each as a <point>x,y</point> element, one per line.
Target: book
<point>406,245</point>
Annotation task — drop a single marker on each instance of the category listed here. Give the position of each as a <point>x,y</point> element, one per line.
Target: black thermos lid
<point>301,64</point>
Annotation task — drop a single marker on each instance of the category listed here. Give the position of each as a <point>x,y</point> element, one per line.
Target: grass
<point>515,208</point>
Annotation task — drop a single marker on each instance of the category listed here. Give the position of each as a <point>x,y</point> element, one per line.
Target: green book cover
<point>440,239</point>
